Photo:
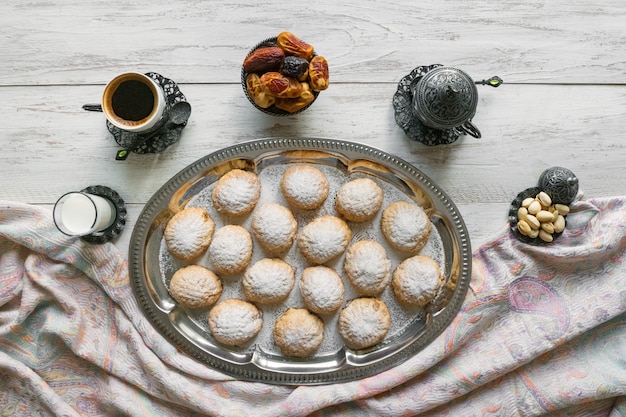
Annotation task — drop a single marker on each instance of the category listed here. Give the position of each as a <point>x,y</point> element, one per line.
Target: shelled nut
<point>545,236</point>
<point>559,224</point>
<point>544,216</point>
<point>562,209</point>
<point>523,227</point>
<point>545,199</point>
<point>538,217</point>
<point>533,222</point>
<point>522,212</point>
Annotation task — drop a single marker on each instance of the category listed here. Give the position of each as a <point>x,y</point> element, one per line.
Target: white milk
<point>80,214</point>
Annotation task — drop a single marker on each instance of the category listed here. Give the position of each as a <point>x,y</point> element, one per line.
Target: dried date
<point>264,59</point>
<point>292,45</point>
<point>318,73</point>
<point>287,74</point>
<point>277,85</point>
<point>256,91</point>
<point>292,105</point>
<point>295,67</point>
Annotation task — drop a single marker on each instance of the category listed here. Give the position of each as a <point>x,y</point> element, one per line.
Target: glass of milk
<point>81,214</point>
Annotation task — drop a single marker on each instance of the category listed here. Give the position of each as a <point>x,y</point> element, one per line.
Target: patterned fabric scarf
<point>542,332</point>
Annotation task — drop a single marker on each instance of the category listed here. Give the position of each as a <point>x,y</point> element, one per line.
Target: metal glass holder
<point>115,229</point>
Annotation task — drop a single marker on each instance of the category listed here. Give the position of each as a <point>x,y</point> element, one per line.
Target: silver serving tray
<point>259,362</point>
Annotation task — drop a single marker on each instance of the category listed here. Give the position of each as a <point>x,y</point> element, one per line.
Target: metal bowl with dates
<point>272,110</point>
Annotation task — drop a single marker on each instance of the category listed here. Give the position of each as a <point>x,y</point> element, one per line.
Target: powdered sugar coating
<point>367,267</point>
<point>270,176</point>
<point>321,289</point>
<point>194,286</point>
<point>236,192</point>
<point>416,280</point>
<point>231,249</point>
<point>234,322</point>
<point>274,227</point>
<point>359,200</point>
<point>298,333</point>
<point>406,226</point>
<point>364,322</point>
<point>304,187</point>
<point>188,233</point>
<point>269,280</point>
<point>323,239</point>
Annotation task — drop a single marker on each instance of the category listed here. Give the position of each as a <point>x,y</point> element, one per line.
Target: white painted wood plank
<point>50,145</point>
<point>78,42</point>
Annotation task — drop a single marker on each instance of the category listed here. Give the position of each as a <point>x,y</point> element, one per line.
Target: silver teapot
<point>446,98</point>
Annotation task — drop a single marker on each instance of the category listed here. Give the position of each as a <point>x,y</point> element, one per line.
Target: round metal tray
<point>150,268</point>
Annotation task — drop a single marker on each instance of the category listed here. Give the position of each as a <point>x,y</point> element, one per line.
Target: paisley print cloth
<point>542,332</point>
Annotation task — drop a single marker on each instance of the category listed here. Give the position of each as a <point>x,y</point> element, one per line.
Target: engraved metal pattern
<point>341,366</point>
<point>405,116</point>
<point>114,229</point>
<point>560,183</point>
<point>445,98</point>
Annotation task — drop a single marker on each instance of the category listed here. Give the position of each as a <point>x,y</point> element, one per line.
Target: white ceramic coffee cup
<point>133,102</point>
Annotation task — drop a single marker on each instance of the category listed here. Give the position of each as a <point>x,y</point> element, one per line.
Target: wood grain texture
<point>53,146</point>
<point>563,101</point>
<point>77,42</point>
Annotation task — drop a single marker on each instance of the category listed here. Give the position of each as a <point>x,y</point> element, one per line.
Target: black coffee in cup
<point>133,102</point>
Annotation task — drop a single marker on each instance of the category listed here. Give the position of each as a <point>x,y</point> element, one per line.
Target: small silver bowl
<point>271,110</point>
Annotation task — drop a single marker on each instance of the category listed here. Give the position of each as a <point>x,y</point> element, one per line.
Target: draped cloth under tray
<point>542,332</point>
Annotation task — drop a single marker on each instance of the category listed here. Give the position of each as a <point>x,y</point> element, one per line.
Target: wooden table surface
<point>563,102</point>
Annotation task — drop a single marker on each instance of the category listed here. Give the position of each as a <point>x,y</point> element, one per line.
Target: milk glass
<point>81,214</point>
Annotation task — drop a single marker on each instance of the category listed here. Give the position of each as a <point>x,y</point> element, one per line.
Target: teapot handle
<point>469,129</point>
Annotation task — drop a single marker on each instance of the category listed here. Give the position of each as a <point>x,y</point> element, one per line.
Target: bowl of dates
<point>283,75</point>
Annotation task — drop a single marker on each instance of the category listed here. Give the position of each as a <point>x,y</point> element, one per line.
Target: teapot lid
<point>445,98</point>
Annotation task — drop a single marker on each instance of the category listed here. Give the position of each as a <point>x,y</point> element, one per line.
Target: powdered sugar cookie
<point>236,192</point>
<point>269,280</point>
<point>231,249</point>
<point>188,233</point>
<point>321,289</point>
<point>304,187</point>
<point>324,238</point>
<point>274,227</point>
<point>194,286</point>
<point>359,200</point>
<point>298,333</point>
<point>364,322</point>
<point>234,322</point>
<point>405,226</point>
<point>367,267</point>
<point>416,280</point>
